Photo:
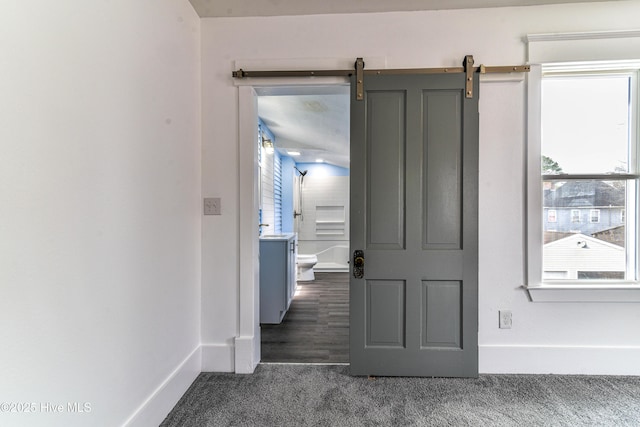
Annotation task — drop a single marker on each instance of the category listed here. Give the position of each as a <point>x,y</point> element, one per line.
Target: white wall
<point>568,337</point>
<point>330,193</point>
<point>99,208</point>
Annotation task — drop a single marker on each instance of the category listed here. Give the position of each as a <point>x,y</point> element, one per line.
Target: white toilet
<point>305,267</point>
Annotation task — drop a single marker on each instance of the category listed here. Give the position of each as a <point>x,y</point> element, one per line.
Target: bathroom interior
<point>303,158</point>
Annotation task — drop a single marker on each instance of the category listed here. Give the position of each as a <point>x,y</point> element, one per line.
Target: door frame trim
<point>247,341</point>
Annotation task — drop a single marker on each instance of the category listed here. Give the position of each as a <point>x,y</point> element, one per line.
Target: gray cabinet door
<point>414,214</point>
<point>277,278</point>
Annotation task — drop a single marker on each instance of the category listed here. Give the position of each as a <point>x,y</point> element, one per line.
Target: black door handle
<point>358,264</point>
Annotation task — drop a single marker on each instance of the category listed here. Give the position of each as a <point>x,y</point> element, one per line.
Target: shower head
<point>301,172</point>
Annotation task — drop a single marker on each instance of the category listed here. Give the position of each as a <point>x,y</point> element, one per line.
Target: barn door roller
<point>360,72</point>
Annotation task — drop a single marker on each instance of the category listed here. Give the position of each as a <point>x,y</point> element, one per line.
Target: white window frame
<point>575,215</point>
<point>624,48</point>
<point>594,216</point>
<point>552,217</point>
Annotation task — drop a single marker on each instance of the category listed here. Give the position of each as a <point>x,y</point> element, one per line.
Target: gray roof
<point>584,194</point>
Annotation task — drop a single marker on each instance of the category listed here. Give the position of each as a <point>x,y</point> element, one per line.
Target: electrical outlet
<point>212,206</point>
<point>505,319</point>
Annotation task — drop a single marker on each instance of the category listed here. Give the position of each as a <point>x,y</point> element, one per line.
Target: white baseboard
<point>569,360</point>
<point>247,354</point>
<point>156,407</point>
<point>218,358</point>
<point>204,358</point>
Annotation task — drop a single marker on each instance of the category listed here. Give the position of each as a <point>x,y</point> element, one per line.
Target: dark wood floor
<point>316,327</point>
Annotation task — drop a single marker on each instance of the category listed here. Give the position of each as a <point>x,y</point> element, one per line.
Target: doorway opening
<point>303,193</point>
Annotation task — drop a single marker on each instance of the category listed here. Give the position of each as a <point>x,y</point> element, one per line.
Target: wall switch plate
<point>212,206</point>
<point>505,319</point>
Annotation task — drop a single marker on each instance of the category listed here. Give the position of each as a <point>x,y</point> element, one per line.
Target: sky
<point>585,122</point>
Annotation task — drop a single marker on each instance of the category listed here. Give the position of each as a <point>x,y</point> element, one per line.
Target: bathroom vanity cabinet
<point>277,275</point>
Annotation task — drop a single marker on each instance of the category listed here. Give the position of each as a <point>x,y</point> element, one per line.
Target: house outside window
<point>594,215</point>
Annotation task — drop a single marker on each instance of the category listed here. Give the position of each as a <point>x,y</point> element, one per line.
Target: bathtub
<point>333,259</point>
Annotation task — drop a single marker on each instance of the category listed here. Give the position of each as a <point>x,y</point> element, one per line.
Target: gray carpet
<point>312,395</point>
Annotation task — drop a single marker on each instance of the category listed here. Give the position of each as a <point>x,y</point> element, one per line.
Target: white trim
<point>588,46</point>
<point>217,358</point>
<point>246,355</point>
<point>160,402</point>
<point>567,360</point>
<point>633,189</point>
<point>591,35</point>
<point>533,178</point>
<point>258,82</point>
<point>560,291</point>
<point>502,78</point>
<point>584,293</point>
<point>622,67</point>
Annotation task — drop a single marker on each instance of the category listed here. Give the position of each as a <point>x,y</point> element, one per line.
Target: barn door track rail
<point>467,68</point>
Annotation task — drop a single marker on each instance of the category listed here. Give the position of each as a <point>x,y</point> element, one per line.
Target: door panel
<point>386,163</point>
<point>442,148</point>
<point>385,313</point>
<point>414,173</point>
<point>441,313</point>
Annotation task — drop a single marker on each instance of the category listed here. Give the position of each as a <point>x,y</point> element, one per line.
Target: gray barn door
<point>414,216</point>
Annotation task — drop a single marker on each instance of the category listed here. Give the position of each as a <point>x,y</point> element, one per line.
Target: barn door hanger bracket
<point>468,71</point>
<point>359,79</point>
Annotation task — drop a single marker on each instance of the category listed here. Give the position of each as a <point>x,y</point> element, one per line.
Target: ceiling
<point>238,8</point>
<point>314,124</point>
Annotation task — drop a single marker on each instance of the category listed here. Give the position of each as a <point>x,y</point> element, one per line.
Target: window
<point>575,214</point>
<point>588,180</point>
<point>587,78</point>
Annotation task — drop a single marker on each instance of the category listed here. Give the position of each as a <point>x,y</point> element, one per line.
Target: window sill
<point>584,293</point>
